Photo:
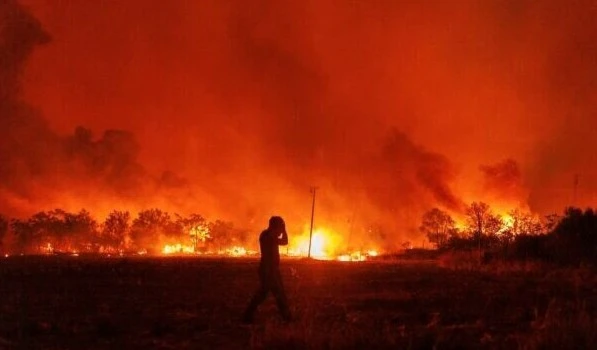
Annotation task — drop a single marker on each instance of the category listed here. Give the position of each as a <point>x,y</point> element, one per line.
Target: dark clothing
<point>270,254</point>
<point>269,276</point>
<point>271,282</point>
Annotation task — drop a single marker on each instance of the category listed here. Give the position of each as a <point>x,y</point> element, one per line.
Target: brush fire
<point>325,245</point>
<point>157,233</point>
<point>137,132</point>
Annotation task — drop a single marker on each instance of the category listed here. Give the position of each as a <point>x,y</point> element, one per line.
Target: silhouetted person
<point>269,270</point>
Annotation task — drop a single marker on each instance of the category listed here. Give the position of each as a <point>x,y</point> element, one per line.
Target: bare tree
<point>481,220</point>
<point>524,223</point>
<point>482,224</point>
<point>438,226</point>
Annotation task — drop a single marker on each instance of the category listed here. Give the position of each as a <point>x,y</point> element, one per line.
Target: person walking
<point>269,270</point>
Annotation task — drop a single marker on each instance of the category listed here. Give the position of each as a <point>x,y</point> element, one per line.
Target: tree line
<point>58,230</point>
<point>570,238</point>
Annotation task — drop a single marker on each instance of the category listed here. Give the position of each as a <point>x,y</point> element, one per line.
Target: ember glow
<point>323,244</point>
<point>326,245</point>
<point>237,251</point>
<point>178,249</point>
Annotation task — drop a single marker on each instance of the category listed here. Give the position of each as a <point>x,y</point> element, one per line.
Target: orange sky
<point>390,107</point>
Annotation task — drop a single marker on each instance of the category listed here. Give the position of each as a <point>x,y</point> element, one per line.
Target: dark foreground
<point>189,303</point>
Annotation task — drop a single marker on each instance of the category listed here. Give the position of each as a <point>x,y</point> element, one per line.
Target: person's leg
<point>281,300</point>
<point>258,298</point>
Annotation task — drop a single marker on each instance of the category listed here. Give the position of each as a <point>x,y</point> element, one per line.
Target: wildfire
<point>508,222</point>
<point>322,245</point>
<point>178,249</point>
<point>357,256</point>
<point>236,251</point>
<point>325,245</point>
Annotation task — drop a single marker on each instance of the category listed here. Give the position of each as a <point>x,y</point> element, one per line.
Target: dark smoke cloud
<point>428,175</point>
<point>38,166</point>
<point>20,33</point>
<point>20,125</point>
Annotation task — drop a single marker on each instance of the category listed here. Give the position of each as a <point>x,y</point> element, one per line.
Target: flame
<point>372,252</point>
<point>180,248</point>
<point>323,244</point>
<point>508,223</point>
<point>357,256</point>
<point>199,233</point>
<point>326,245</point>
<point>177,249</point>
<point>236,251</point>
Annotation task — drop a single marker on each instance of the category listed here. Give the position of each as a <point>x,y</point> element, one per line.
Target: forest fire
<point>324,246</point>
<point>155,232</point>
<point>237,251</point>
<point>178,249</point>
<point>400,141</point>
<point>183,249</point>
<point>404,168</point>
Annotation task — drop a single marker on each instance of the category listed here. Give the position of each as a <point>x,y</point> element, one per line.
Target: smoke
<point>234,109</point>
<point>20,125</point>
<point>40,168</point>
<point>503,183</point>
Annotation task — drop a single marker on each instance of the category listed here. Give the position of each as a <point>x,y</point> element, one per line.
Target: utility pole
<point>313,190</point>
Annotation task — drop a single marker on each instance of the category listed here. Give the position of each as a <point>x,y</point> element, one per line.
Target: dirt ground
<point>193,303</point>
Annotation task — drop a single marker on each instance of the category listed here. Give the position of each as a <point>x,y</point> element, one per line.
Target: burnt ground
<point>192,303</point>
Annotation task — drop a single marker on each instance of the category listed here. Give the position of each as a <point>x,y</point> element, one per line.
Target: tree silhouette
<point>438,226</point>
<point>25,235</point>
<point>221,233</point>
<point>481,220</point>
<point>195,228</point>
<point>148,226</point>
<point>483,224</point>
<point>116,229</point>
<point>45,228</point>
<point>57,229</point>
<point>524,223</point>
<point>80,231</point>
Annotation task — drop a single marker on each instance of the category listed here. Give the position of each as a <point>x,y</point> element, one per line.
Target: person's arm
<point>283,239</point>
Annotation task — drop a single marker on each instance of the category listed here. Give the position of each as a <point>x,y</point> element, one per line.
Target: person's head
<point>276,224</point>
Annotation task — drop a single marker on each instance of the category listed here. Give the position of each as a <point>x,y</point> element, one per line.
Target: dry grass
<point>191,303</point>
<point>460,260</point>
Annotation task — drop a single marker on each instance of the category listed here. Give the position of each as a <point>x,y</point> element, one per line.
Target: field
<point>192,303</point>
